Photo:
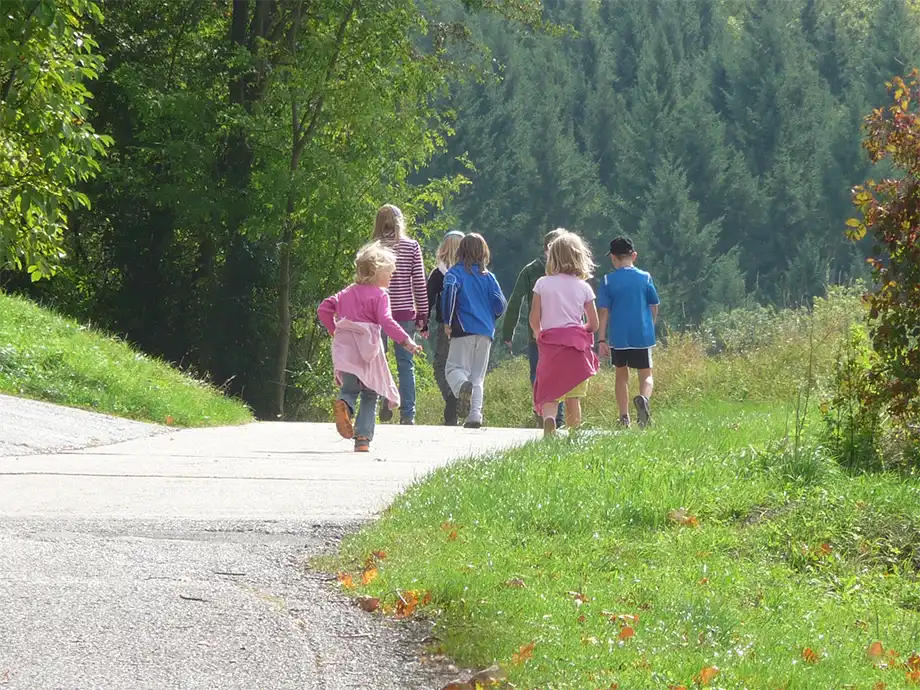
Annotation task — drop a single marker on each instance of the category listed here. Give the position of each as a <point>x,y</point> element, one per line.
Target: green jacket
<point>523,292</point>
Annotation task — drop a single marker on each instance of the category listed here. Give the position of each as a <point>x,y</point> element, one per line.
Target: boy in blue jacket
<point>472,301</point>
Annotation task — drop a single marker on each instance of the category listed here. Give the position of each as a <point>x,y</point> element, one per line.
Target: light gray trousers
<point>468,360</point>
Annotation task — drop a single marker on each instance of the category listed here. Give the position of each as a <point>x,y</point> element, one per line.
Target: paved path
<point>177,560</point>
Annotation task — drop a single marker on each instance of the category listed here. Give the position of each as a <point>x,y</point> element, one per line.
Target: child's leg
<point>622,387</point>
<point>646,383</point>
<point>478,365</point>
<point>364,424</point>
<point>572,412</point>
<point>457,367</point>
<point>550,409</point>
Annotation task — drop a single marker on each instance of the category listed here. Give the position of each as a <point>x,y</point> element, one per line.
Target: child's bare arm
<point>603,347</point>
<point>535,312</point>
<point>654,308</point>
<point>593,321</point>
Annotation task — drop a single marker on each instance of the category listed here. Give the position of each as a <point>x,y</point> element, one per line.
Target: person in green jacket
<point>523,293</point>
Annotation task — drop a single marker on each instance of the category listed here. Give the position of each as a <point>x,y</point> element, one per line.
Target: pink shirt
<point>562,300</point>
<point>361,304</point>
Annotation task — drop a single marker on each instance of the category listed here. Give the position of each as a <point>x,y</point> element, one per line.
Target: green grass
<point>47,357</point>
<point>790,553</point>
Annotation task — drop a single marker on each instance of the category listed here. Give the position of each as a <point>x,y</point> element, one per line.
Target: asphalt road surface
<point>133,556</point>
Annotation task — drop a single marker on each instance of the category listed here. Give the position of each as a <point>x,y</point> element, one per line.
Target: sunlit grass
<point>47,357</point>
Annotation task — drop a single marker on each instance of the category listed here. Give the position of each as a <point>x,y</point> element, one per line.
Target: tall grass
<point>750,355</point>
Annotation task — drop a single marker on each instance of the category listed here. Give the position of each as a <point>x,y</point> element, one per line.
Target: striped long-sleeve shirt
<point>408,289</point>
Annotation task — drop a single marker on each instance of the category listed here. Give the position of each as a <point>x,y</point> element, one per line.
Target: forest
<point>195,175</point>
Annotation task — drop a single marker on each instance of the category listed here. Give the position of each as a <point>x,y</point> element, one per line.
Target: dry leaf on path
<point>368,576</point>
<point>369,604</point>
<point>346,580</point>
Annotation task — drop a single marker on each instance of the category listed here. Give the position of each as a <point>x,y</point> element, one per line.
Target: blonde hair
<point>390,224</point>
<point>474,250</point>
<point>550,236</point>
<point>447,251</point>
<point>372,260</point>
<point>569,254</point>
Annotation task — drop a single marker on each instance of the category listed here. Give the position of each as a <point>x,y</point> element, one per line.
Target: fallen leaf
<point>809,655</point>
<point>169,420</point>
<point>913,677</point>
<point>683,518</point>
<point>523,654</point>
<point>369,604</point>
<point>704,581</point>
<point>458,685</point>
<point>368,576</point>
<point>380,555</point>
<point>707,674</point>
<point>880,686</point>
<point>825,549</point>
<point>515,583</point>
<point>426,599</point>
<point>406,604</point>
<point>452,535</point>
<point>913,662</point>
<point>875,651</point>
<point>582,618</point>
<point>627,632</point>
<point>346,580</point>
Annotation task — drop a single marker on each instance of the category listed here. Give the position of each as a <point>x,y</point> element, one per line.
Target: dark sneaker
<point>645,415</point>
<point>342,414</point>
<point>386,414</point>
<point>464,400</point>
<point>362,445</point>
<point>472,425</point>
<point>624,420</point>
<point>549,427</point>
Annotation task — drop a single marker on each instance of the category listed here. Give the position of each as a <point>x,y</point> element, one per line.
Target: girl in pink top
<point>564,317</point>
<point>355,317</point>
<point>408,298</point>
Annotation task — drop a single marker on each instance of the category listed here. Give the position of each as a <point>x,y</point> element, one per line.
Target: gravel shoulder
<point>179,559</point>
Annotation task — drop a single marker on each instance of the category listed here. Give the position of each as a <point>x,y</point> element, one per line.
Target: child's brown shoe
<point>549,427</point>
<point>343,419</point>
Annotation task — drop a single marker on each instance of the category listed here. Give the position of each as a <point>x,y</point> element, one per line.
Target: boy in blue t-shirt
<point>627,307</point>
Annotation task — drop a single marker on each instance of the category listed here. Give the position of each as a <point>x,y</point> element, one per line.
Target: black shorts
<point>634,359</point>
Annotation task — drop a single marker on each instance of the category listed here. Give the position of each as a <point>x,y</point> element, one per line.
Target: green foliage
<point>47,145</point>
<point>852,414</point>
<point>891,215</point>
<point>47,357</point>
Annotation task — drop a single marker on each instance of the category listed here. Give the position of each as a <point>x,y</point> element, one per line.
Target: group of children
<point>458,308</point>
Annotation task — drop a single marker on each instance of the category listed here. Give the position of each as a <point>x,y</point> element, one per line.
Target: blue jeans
<point>533,354</point>
<point>405,374</point>
<point>351,389</point>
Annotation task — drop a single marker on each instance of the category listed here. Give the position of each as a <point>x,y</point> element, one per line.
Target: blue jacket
<point>471,301</point>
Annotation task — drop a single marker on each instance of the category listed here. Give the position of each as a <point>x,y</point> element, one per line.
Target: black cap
<point>621,246</point>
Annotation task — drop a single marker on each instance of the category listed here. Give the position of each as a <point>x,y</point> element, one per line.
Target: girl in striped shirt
<point>408,300</point>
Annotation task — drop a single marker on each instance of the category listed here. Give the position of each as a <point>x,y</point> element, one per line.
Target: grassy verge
<point>718,549</point>
<point>47,357</point>
<point>562,543</point>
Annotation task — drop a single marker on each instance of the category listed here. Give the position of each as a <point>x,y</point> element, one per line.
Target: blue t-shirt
<point>628,294</point>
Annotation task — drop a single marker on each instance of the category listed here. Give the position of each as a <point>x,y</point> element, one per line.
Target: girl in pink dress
<point>564,318</point>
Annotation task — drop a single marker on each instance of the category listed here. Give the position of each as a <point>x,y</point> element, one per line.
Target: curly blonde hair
<point>569,254</point>
<point>390,224</point>
<point>447,251</point>
<point>372,260</point>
